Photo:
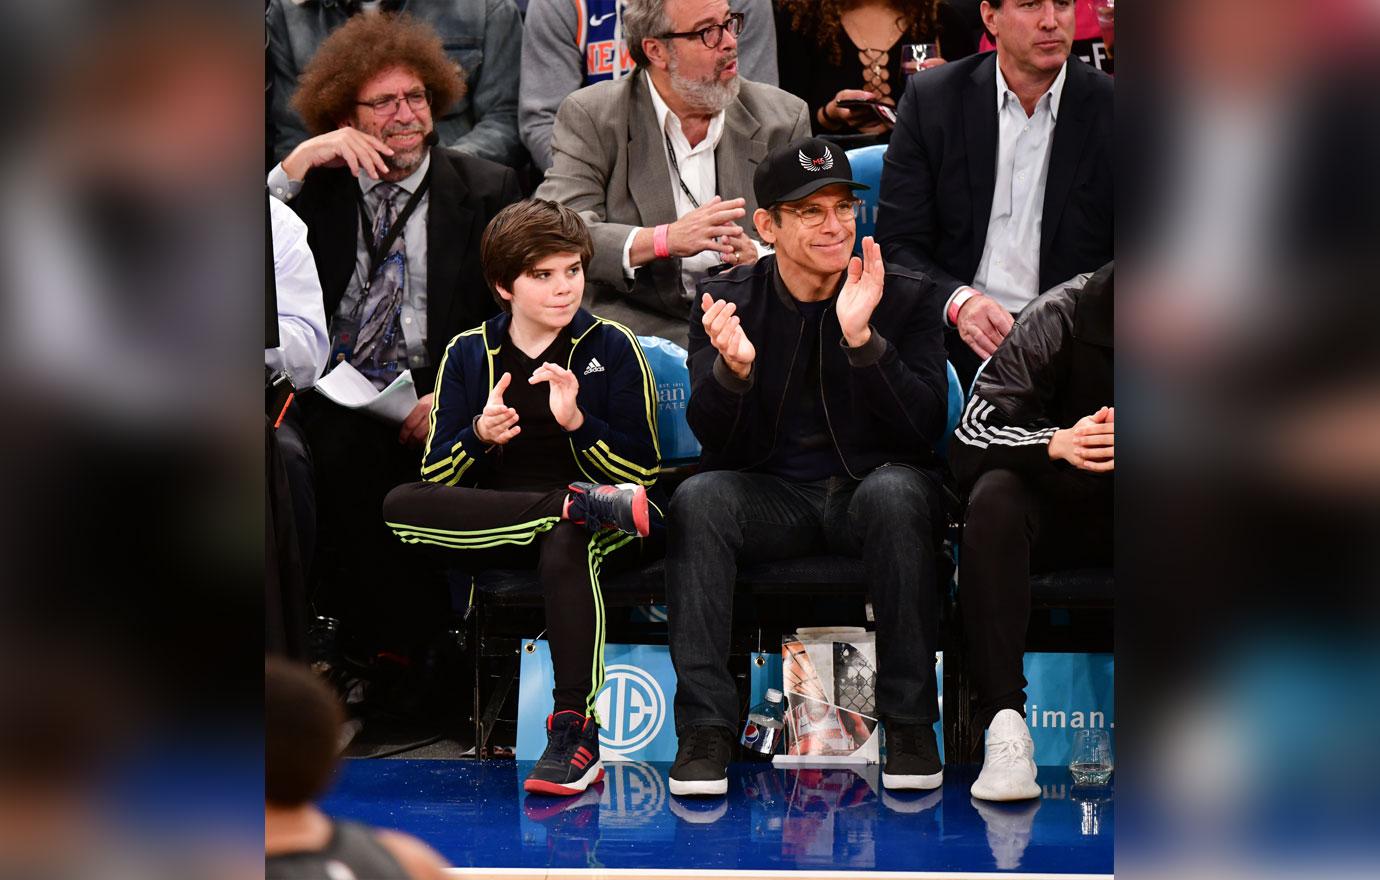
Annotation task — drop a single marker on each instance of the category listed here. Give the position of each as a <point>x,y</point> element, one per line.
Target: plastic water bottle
<point>762,733</point>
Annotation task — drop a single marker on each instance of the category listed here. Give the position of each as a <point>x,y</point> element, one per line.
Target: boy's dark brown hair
<point>525,233</point>
<point>361,49</point>
<point>302,719</point>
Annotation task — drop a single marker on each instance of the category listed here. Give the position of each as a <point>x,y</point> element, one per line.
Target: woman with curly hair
<point>830,51</point>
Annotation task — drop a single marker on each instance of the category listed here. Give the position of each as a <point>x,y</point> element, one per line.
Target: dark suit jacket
<point>940,171</point>
<point>465,194</point>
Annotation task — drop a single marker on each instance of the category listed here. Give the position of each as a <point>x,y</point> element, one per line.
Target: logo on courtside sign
<point>632,706</point>
<point>634,703</point>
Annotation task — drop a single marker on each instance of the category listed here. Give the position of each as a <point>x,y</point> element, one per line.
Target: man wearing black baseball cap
<point>818,391</point>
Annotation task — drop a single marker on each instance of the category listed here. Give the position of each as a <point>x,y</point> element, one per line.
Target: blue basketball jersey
<point>600,35</point>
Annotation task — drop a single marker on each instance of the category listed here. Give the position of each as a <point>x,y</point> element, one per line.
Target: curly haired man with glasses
<point>394,224</point>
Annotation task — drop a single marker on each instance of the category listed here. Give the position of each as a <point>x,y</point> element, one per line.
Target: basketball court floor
<point>798,823</point>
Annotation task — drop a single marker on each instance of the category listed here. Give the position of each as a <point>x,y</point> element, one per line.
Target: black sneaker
<point>702,761</point>
<point>621,508</point>
<point>912,757</point>
<point>571,762</point>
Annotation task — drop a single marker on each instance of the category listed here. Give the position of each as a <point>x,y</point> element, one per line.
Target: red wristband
<point>660,246</point>
<point>956,304</point>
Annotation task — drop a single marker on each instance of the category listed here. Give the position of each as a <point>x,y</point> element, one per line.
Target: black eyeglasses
<point>713,35</point>
<point>418,100</point>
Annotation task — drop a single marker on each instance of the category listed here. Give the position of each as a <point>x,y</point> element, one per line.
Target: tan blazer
<point>609,163</point>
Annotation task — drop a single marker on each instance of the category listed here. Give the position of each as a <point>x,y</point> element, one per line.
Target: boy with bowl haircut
<point>542,444</point>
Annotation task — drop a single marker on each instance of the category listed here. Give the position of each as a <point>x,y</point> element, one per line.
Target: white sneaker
<point>1008,764</point>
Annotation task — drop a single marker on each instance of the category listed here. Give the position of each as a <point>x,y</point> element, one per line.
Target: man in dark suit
<point>394,224</point>
<point>997,183</point>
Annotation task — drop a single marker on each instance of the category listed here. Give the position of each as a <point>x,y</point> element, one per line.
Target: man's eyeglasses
<point>813,215</point>
<point>713,35</point>
<point>418,100</point>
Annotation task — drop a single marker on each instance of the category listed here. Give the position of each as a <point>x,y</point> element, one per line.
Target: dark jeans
<point>1014,525</point>
<point>721,518</point>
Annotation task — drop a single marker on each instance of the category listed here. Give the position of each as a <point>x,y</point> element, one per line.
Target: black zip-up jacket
<point>1054,368</point>
<point>884,402</point>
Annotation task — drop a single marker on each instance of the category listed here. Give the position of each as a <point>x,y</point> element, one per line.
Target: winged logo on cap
<point>821,164</point>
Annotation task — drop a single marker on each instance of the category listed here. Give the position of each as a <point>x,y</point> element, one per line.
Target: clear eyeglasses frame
<point>813,215</point>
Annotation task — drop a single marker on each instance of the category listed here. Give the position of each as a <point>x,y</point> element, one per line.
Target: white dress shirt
<point>1009,270</point>
<point>302,342</point>
<point>698,171</point>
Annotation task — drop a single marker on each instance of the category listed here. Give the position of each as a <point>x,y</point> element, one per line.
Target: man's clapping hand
<point>726,334</point>
<point>860,294</point>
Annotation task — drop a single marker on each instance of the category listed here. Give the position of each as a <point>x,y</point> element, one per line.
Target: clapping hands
<point>565,390</point>
<point>725,332</point>
<point>861,293</point>
<point>498,423</point>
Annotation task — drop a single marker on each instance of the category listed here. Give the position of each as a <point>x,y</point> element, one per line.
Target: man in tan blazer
<point>660,164</point>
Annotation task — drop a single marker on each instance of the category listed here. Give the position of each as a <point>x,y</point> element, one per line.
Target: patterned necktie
<point>379,328</point>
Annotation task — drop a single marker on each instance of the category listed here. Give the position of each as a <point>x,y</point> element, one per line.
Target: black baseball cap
<point>795,170</point>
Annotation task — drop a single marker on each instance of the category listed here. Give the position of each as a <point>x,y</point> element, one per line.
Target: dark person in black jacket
<point>1036,444</point>
<point>818,390</point>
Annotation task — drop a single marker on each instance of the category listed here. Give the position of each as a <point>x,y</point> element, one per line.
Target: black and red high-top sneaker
<point>621,507</point>
<point>571,762</point>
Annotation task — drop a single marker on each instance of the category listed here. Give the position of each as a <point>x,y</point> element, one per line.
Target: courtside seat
<point>866,164</point>
<point>519,587</point>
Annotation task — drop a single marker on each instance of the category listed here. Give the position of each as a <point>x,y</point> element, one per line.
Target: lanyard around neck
<point>675,166</point>
<point>379,251</point>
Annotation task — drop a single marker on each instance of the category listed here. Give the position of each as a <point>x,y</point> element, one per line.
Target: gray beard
<point>708,97</point>
<point>400,165</point>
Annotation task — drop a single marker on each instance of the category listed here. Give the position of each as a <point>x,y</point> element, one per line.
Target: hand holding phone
<point>875,109</point>
<point>858,110</point>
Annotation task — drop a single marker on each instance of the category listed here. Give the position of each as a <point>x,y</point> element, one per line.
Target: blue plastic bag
<point>667,360</point>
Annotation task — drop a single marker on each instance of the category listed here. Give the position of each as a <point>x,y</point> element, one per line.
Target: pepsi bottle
<point>762,732</point>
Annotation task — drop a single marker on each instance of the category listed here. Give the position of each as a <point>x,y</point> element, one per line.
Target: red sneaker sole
<point>641,515</point>
<point>541,786</point>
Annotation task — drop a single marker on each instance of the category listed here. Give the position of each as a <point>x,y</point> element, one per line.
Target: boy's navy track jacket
<point>884,403</point>
<point>616,444</point>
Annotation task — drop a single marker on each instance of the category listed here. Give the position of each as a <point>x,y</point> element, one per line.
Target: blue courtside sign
<point>634,704</point>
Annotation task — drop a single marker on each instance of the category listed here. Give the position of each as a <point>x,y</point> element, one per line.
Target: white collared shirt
<point>1009,270</point>
<point>698,171</point>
